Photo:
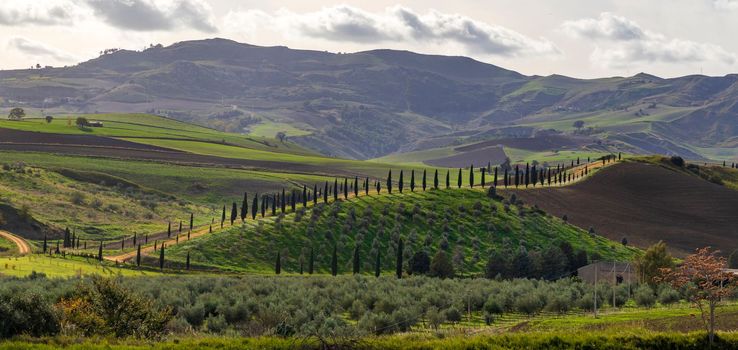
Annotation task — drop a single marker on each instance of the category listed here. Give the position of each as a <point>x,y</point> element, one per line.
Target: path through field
<point>23,246</point>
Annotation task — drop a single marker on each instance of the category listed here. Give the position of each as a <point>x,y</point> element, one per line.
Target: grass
<point>211,185</point>
<point>7,247</point>
<point>96,208</point>
<point>64,267</point>
<point>465,216</point>
<point>270,129</point>
<point>537,340</point>
<point>149,126</point>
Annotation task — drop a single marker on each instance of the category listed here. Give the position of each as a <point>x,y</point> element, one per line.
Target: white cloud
<point>150,15</point>
<point>397,24</point>
<point>621,42</point>
<point>725,4</point>
<point>50,12</point>
<point>36,49</point>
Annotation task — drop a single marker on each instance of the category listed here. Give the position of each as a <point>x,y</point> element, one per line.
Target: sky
<point>578,38</point>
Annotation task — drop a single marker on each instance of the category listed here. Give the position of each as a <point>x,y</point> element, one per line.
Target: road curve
<point>23,246</point>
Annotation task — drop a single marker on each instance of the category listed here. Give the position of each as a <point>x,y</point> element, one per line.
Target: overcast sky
<point>584,38</point>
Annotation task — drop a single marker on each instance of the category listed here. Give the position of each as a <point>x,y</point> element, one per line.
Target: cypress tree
<point>264,204</point>
<point>223,217</point>
<point>424,180</point>
<point>123,243</point>
<point>244,207</point>
<point>169,229</point>
<point>59,251</point>
<point>356,186</point>
<point>366,187</point>
<point>294,200</point>
<point>398,267</point>
<point>304,196</point>
<point>357,262</point>
<point>138,255</point>
<point>278,265</point>
<point>505,179</point>
<point>345,188</point>
<point>494,180</point>
<point>389,182</point>
<point>192,219</point>
<point>325,193</point>
<point>448,179</point>
<point>534,176</point>
<point>254,206</point>
<point>335,190</point>
<point>135,238</point>
<point>459,179</point>
<point>379,187</point>
<point>301,265</point>
<point>99,251</point>
<point>471,176</point>
<point>45,246</point>
<point>234,213</point>
<point>187,262</point>
<point>435,179</point>
<point>180,226</point>
<point>377,265</point>
<point>275,200</point>
<point>282,203</point>
<point>517,177</point>
<point>412,180</point>
<point>161,257</point>
<point>334,262</point>
<point>620,155</point>
<point>527,174</point>
<point>311,261</point>
<point>400,182</point>
<point>315,194</point>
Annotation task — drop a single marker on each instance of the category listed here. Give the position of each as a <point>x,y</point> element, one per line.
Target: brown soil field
<point>96,146</point>
<point>480,157</point>
<point>646,203</point>
<point>542,143</point>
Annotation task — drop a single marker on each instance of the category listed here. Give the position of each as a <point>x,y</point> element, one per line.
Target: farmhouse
<point>95,124</point>
<point>608,272</point>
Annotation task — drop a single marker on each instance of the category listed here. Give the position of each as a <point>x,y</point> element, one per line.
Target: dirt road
<point>23,246</point>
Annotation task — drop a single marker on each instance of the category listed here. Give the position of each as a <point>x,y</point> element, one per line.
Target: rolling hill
<point>649,201</point>
<point>375,103</point>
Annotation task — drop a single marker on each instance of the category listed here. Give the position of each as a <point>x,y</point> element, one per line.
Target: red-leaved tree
<point>705,281</point>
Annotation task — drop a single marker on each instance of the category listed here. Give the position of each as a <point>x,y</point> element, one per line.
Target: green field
<point>463,221</point>
<point>148,126</point>
<point>7,247</point>
<point>64,267</point>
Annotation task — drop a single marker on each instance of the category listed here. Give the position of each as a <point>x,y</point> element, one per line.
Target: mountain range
<point>370,104</point>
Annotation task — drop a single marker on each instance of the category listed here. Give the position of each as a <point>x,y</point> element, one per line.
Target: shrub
<point>529,303</point>
<point>26,313</point>
<point>77,198</point>
<point>117,311</point>
<point>668,295</point>
<point>453,315</point>
<point>678,161</point>
<point>644,296</point>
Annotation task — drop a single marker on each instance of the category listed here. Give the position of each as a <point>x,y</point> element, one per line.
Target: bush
<point>106,308</point>
<point>668,295</point>
<point>678,161</point>
<point>453,315</point>
<point>528,303</point>
<point>644,296</point>
<point>26,313</point>
<point>77,198</point>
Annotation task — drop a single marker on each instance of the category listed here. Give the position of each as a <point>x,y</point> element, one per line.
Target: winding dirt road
<point>23,246</point>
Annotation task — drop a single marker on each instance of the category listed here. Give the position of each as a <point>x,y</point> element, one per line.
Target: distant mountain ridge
<point>373,103</point>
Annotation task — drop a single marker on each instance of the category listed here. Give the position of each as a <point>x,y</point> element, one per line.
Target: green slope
<point>463,221</point>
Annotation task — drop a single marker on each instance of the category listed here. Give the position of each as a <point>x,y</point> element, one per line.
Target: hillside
<point>647,202</point>
<point>464,222</point>
<point>374,103</point>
